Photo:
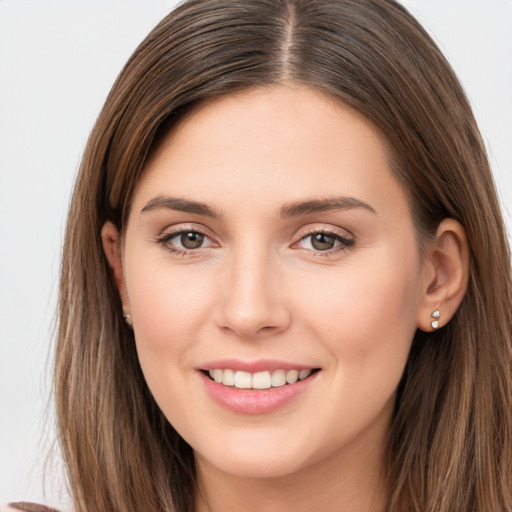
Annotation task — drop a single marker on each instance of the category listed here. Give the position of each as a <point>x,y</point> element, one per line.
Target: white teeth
<point>229,378</point>
<point>261,380</point>
<point>243,380</point>
<point>303,374</point>
<point>278,378</point>
<point>258,380</point>
<point>292,376</point>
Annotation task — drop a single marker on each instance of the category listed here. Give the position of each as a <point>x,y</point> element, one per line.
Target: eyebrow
<point>181,205</point>
<point>288,210</point>
<point>323,205</point>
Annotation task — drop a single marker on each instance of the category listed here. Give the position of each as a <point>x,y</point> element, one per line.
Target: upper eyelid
<point>184,228</point>
<point>342,239</point>
<point>331,230</point>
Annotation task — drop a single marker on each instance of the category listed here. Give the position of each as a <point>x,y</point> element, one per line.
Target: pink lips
<point>249,401</point>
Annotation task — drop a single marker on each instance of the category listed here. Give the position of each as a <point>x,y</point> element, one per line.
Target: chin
<point>267,458</point>
<point>260,466</point>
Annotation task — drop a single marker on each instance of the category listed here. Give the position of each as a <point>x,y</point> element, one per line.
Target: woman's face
<point>269,238</point>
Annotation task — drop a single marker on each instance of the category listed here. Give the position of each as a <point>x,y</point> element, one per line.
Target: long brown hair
<point>450,445</point>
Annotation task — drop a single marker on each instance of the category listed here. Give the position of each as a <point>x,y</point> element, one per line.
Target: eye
<point>191,239</point>
<point>322,241</point>
<point>185,240</point>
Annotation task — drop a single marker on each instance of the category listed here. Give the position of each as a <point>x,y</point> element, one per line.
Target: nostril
<point>265,328</point>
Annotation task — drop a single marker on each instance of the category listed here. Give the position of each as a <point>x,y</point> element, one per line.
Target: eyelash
<point>167,237</point>
<point>344,243</point>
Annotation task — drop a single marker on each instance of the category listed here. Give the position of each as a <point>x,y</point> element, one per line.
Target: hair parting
<point>450,445</point>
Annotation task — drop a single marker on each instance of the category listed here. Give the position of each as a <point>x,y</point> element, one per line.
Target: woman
<point>285,279</point>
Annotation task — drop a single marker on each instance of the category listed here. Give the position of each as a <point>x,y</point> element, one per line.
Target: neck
<point>348,482</point>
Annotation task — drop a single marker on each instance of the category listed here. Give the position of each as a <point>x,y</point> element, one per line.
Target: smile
<point>259,392</point>
<point>259,380</point>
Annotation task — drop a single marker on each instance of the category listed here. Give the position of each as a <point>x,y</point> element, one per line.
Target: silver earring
<point>128,319</point>
<point>435,322</point>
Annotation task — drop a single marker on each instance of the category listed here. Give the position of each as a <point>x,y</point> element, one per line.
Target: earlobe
<point>111,241</point>
<point>446,276</point>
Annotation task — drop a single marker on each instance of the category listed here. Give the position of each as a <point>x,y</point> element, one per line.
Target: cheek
<point>367,323</point>
<point>367,312</point>
<point>162,297</point>
<point>168,308</point>
<point>168,311</point>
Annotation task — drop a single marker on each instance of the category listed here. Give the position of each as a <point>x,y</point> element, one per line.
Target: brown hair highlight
<point>450,443</point>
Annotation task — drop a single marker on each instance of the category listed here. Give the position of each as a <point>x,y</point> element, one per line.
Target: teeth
<point>259,380</point>
<point>228,378</point>
<point>243,380</point>
<point>278,378</point>
<point>304,374</point>
<point>292,376</point>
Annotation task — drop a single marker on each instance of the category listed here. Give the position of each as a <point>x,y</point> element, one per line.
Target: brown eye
<point>185,242</point>
<point>322,241</point>
<point>191,240</point>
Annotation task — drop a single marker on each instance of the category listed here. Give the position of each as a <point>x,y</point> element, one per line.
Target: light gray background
<point>58,59</point>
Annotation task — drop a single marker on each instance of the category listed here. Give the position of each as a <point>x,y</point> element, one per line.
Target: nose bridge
<point>251,292</point>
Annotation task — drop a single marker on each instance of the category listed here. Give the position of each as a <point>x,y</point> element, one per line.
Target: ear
<point>445,277</point>
<point>112,247</point>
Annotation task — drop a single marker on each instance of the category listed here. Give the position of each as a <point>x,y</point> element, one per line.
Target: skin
<point>259,287</point>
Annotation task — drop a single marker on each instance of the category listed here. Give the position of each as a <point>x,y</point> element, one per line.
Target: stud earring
<point>435,322</point>
<point>128,319</point>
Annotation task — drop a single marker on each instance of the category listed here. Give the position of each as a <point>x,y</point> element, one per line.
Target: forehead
<point>281,144</point>
<point>283,114</point>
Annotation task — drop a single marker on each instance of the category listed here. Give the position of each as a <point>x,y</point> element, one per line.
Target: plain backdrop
<point>58,60</point>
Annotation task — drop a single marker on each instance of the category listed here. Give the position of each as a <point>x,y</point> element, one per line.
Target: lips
<point>256,387</point>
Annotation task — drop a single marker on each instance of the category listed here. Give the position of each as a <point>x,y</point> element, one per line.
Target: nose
<point>252,297</point>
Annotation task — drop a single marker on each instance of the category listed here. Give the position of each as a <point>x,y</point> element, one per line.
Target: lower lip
<point>250,401</point>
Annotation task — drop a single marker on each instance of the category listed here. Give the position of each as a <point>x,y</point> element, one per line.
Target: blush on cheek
<point>165,307</point>
<point>373,314</point>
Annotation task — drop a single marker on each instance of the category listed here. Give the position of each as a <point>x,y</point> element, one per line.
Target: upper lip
<point>259,365</point>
